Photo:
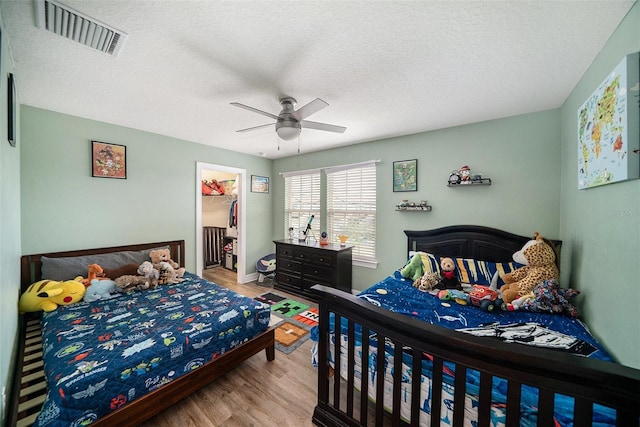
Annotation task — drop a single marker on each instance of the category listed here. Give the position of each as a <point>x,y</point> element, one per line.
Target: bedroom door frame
<point>242,199</point>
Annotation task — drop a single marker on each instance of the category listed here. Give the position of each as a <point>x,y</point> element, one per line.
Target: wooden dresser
<point>300,265</point>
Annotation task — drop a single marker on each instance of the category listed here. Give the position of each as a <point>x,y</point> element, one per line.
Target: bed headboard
<point>31,265</point>
<point>471,241</point>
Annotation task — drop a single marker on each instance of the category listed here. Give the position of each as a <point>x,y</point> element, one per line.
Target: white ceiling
<point>386,68</point>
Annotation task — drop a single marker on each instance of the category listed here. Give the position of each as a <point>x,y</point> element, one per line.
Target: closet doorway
<point>220,218</point>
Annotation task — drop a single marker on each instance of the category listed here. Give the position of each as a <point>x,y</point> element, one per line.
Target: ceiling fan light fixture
<point>288,130</point>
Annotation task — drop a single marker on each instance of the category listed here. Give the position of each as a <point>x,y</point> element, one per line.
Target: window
<point>351,207</point>
<point>346,200</point>
<point>301,200</point>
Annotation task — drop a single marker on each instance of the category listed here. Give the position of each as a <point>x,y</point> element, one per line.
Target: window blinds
<point>301,200</point>
<point>351,207</point>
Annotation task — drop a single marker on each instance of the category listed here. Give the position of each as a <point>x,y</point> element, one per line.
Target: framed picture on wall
<point>108,160</point>
<point>405,175</point>
<point>11,111</point>
<point>608,124</point>
<point>259,184</point>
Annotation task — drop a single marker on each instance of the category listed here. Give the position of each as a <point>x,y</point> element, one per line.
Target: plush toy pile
<point>547,297</point>
<point>102,283</point>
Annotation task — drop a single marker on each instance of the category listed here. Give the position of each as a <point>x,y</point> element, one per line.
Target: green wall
<point>64,207</point>
<point>520,154</point>
<point>9,232</point>
<point>600,226</point>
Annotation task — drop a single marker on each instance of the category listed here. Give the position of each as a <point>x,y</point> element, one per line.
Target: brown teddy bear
<point>539,259</point>
<point>164,255</point>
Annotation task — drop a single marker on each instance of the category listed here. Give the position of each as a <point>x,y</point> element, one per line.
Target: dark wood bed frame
<point>153,403</point>
<point>589,381</point>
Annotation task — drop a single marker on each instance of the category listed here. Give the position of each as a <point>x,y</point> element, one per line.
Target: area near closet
<point>220,219</point>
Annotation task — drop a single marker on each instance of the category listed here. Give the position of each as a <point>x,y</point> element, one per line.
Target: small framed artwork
<point>405,175</point>
<point>259,184</point>
<point>11,108</point>
<point>108,160</point>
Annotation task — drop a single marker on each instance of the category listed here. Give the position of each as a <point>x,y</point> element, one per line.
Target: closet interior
<point>220,219</point>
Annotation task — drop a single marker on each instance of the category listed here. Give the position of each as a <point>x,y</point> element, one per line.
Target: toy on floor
<point>47,295</point>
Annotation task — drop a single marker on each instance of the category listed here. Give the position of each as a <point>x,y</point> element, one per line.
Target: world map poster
<point>608,128</point>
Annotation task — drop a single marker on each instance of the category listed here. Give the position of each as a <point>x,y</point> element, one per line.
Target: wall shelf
<point>414,208</point>
<point>483,181</point>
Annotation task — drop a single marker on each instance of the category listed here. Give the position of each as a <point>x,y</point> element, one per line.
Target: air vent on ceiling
<point>73,25</point>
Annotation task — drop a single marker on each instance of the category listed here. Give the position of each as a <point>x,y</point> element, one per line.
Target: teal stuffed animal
<point>100,289</point>
<point>414,268</point>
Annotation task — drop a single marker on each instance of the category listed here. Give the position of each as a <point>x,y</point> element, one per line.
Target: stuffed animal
<point>164,255</point>
<point>413,269</point>
<point>427,281</point>
<point>147,270</point>
<point>47,295</point>
<point>128,283</point>
<point>539,259</point>
<point>100,289</point>
<point>448,277</point>
<point>168,274</point>
<point>94,272</point>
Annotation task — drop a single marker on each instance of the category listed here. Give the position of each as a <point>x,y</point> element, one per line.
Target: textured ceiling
<point>386,68</point>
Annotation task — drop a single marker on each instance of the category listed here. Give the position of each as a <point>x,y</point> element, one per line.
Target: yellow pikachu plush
<point>47,295</point>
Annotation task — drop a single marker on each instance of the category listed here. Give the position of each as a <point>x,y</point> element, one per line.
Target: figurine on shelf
<point>454,178</point>
<point>465,175</point>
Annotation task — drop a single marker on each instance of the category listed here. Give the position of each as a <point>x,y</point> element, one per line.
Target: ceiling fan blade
<point>255,110</point>
<point>256,127</point>
<point>322,126</point>
<point>307,110</point>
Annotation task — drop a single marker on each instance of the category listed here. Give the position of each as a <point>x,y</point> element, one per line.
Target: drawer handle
<point>321,259</point>
<point>315,272</point>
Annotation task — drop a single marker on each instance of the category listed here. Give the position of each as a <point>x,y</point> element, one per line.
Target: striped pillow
<point>469,270</point>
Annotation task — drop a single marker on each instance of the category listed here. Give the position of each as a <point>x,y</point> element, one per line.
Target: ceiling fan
<point>290,121</point>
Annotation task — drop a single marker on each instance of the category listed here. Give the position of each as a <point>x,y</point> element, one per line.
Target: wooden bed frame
<point>153,403</point>
<point>587,380</point>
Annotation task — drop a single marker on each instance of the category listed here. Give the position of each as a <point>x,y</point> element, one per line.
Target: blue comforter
<point>102,355</point>
<point>398,295</point>
<point>558,332</point>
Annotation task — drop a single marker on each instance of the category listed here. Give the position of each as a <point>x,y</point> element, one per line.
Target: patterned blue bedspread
<point>558,332</point>
<point>100,356</point>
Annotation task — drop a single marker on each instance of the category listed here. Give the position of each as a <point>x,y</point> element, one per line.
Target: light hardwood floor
<point>257,393</point>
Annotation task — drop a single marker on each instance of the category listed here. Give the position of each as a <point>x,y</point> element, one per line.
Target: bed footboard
<point>345,392</point>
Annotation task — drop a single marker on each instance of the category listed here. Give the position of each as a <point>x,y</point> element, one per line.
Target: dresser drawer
<point>322,260</point>
<point>288,265</point>
<point>284,251</point>
<point>289,279</point>
<point>317,272</point>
